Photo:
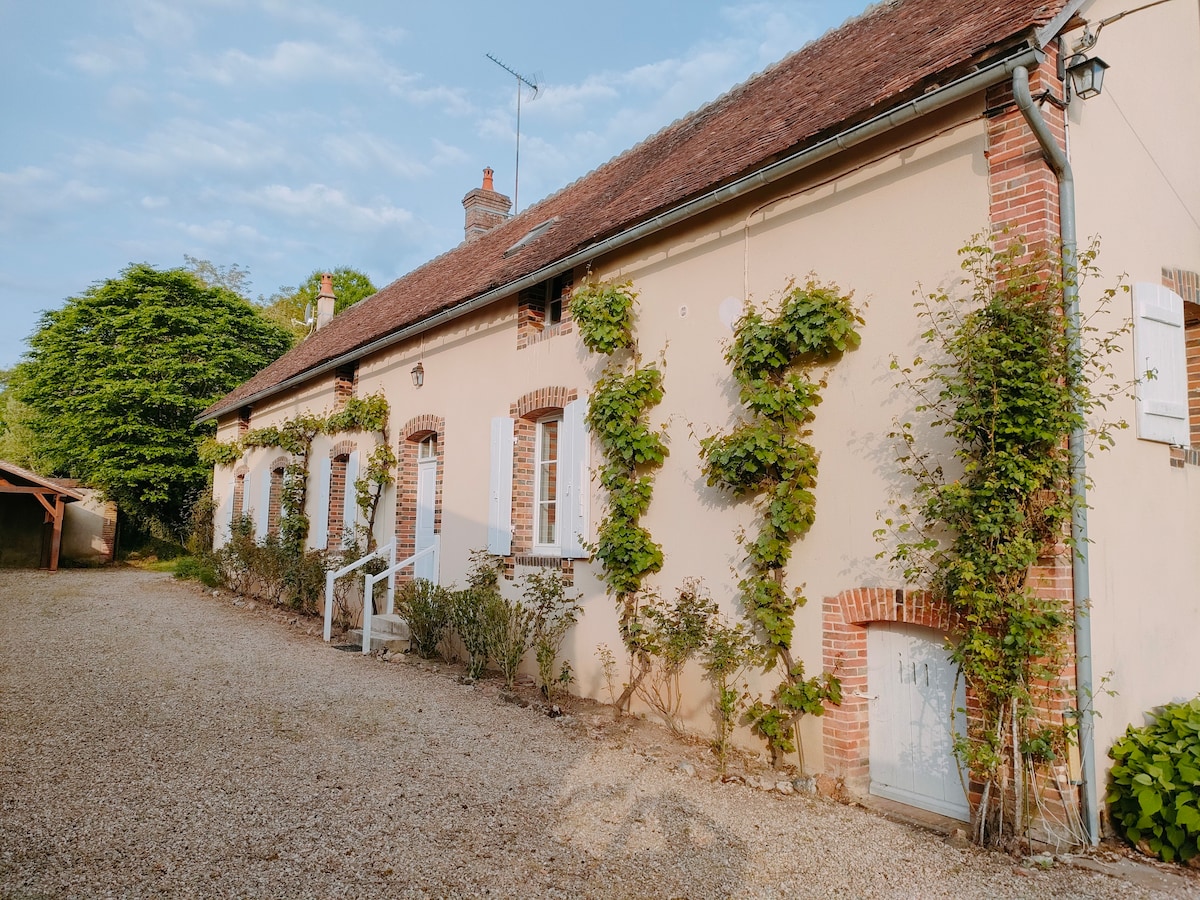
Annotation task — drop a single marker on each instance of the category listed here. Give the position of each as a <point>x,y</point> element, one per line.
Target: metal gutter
<point>1076,444</point>
<point>981,79</point>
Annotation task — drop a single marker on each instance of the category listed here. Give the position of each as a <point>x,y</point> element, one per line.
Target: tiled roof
<point>892,52</point>
<point>8,471</point>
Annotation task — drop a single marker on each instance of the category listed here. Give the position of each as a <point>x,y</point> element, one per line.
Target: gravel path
<point>157,741</point>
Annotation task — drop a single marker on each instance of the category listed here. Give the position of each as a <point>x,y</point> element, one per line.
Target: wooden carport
<point>53,497</point>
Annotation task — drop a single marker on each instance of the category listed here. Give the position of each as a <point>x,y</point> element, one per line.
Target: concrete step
<point>379,642</point>
<point>388,632</point>
<point>392,625</point>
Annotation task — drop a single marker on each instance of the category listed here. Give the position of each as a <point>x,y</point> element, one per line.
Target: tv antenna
<point>521,80</point>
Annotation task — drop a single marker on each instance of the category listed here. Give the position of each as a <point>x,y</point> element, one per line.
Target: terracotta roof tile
<point>894,51</point>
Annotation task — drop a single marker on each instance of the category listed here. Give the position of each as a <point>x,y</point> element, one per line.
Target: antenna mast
<point>521,80</point>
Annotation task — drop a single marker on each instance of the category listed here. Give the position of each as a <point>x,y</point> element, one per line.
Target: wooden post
<point>56,538</point>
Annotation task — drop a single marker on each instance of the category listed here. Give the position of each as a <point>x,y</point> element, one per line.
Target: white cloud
<point>149,202</point>
<point>160,21</point>
<point>369,153</point>
<point>320,204</point>
<point>184,147</point>
<point>221,232</point>
<point>36,197</point>
<point>101,58</point>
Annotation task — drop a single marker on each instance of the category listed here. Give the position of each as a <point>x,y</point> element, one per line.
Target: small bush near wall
<point>1154,795</point>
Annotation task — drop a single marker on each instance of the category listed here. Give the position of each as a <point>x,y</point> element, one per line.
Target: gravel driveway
<point>158,741</point>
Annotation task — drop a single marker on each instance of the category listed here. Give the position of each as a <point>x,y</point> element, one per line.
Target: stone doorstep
<point>390,642</point>
<point>388,632</point>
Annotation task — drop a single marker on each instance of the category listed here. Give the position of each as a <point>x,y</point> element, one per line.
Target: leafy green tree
<point>286,306</point>
<point>15,443</point>
<point>232,276</point>
<point>114,381</point>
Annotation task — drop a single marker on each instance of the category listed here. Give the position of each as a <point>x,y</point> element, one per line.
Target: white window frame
<point>539,547</point>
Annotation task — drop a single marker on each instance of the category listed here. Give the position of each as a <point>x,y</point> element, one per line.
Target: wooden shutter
<point>224,516</point>
<point>500,491</point>
<point>574,481</point>
<point>264,506</point>
<point>320,529</point>
<point>1160,364</point>
<point>350,510</point>
<point>247,497</point>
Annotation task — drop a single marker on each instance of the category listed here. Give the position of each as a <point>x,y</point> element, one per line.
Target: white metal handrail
<point>388,552</point>
<point>390,574</point>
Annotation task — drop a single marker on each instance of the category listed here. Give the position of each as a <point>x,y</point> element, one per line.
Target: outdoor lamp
<point>418,375</point>
<point>1087,75</point>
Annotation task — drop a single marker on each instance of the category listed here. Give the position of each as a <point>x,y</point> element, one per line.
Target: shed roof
<point>12,474</point>
<point>892,53</point>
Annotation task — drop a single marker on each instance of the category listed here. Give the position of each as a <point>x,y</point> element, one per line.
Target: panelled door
<point>426,567</point>
<point>911,682</point>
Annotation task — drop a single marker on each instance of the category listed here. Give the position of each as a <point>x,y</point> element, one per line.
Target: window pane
<point>546,487</point>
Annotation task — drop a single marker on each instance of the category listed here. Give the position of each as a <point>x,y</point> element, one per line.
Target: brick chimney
<point>485,208</point>
<point>325,301</point>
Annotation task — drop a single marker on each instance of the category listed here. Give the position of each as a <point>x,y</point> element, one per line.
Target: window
<point>543,307</point>
<point>539,490</point>
<point>545,492</point>
<point>427,448</point>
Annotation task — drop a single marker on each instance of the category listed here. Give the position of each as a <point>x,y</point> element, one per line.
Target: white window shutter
<point>247,497</point>
<point>1158,347</point>
<point>264,506</point>
<point>350,510</point>
<point>500,491</point>
<point>224,516</point>
<point>574,481</point>
<point>320,529</point>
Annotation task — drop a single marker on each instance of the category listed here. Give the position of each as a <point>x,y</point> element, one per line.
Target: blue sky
<point>290,135</point>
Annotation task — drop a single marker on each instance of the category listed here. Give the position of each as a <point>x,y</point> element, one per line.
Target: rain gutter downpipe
<point>1076,447</point>
<point>982,78</point>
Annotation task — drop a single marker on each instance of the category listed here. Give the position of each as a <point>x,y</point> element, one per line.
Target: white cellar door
<point>912,686</point>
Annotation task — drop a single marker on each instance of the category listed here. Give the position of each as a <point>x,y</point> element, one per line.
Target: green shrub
<point>555,611</point>
<point>508,633</point>
<point>1154,794</point>
<point>426,608</point>
<point>467,608</point>
<point>199,569</point>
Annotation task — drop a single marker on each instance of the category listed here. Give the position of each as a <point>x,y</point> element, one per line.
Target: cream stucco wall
<point>880,223</point>
<point>883,222</point>
<point>1133,151</point>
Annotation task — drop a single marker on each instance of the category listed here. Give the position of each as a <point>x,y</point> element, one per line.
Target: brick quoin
<point>339,461</point>
<point>1023,191</point>
<point>413,432</point>
<point>275,495</point>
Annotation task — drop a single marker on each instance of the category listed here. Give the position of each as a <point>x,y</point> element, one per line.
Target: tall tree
<point>232,276</point>
<point>115,379</point>
<point>286,306</point>
<point>16,445</point>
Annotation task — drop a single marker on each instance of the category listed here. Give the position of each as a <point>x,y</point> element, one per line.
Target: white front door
<point>426,567</point>
<point>911,681</point>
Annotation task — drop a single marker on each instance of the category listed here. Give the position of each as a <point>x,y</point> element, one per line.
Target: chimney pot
<point>488,184</point>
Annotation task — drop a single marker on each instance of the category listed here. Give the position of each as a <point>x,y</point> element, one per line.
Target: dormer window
<point>543,310</point>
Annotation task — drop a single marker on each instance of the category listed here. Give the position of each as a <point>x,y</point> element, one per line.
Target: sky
<point>287,136</point>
